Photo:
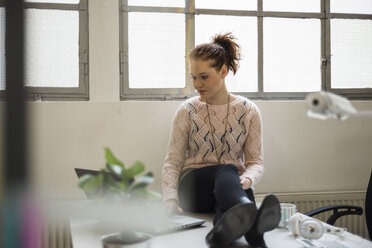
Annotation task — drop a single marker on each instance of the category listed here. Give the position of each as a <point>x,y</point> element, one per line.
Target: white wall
<point>301,154</point>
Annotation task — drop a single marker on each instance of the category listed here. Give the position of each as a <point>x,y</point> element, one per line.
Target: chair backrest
<point>368,207</point>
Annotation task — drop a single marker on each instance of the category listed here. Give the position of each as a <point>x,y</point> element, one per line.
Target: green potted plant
<point>125,189</point>
<point>116,182</point>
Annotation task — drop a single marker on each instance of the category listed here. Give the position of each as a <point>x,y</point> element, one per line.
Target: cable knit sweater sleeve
<point>175,157</point>
<point>253,147</point>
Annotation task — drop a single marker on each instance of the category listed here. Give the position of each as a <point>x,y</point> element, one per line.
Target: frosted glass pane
<point>156,45</point>
<point>351,6</point>
<point>52,48</point>
<point>351,49</point>
<point>158,3</point>
<point>245,30</point>
<point>52,1</point>
<point>292,5</point>
<point>2,48</point>
<point>291,55</point>
<point>223,4</point>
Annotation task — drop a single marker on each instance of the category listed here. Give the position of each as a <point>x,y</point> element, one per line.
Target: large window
<point>289,48</point>
<point>56,49</point>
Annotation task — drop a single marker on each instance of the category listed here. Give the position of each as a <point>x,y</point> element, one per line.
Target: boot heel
<point>268,218</point>
<point>233,224</point>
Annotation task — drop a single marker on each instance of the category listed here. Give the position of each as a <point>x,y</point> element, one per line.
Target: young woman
<point>215,153</point>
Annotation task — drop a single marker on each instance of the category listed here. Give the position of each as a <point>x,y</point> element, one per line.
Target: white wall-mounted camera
<point>323,105</point>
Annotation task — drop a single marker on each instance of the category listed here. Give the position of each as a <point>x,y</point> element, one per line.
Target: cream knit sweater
<point>191,143</point>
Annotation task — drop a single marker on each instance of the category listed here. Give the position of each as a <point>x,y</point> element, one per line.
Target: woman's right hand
<point>171,207</point>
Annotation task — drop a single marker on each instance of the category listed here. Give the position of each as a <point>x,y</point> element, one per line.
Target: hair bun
<point>232,49</point>
<point>224,40</point>
<point>222,49</point>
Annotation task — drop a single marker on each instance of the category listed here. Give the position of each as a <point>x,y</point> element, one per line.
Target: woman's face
<point>207,81</point>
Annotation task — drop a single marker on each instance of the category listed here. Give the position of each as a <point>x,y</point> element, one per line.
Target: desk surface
<point>88,233</point>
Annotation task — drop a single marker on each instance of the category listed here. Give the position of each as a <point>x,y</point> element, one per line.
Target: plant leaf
<point>154,194</point>
<point>143,192</point>
<point>137,168</point>
<point>111,159</point>
<point>122,185</point>
<point>84,179</point>
<point>140,193</point>
<point>91,184</point>
<point>115,169</point>
<point>142,182</point>
<point>114,190</point>
<point>109,179</point>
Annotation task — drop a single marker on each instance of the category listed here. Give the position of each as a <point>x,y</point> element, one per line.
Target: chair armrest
<point>338,211</point>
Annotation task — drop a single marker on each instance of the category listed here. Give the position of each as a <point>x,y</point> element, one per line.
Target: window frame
<point>150,93</point>
<point>325,17</point>
<point>64,93</point>
<point>365,93</point>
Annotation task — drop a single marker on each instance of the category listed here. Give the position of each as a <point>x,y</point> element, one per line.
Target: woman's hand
<point>246,182</point>
<point>171,207</point>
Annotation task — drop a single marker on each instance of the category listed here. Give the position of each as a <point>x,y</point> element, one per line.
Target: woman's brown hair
<point>223,50</point>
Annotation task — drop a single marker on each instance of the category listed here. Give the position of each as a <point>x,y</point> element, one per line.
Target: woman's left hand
<point>245,182</point>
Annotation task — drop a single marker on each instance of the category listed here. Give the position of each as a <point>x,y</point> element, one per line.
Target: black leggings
<point>212,189</point>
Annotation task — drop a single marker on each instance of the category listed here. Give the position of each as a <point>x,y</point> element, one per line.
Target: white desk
<point>87,235</point>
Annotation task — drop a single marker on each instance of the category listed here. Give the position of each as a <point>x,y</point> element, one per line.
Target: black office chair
<point>341,210</point>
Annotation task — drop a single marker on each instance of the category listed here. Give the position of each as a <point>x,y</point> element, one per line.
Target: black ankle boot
<point>257,241</point>
<point>233,224</point>
<point>268,218</point>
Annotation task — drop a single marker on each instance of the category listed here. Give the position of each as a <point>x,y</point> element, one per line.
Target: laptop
<point>172,224</point>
